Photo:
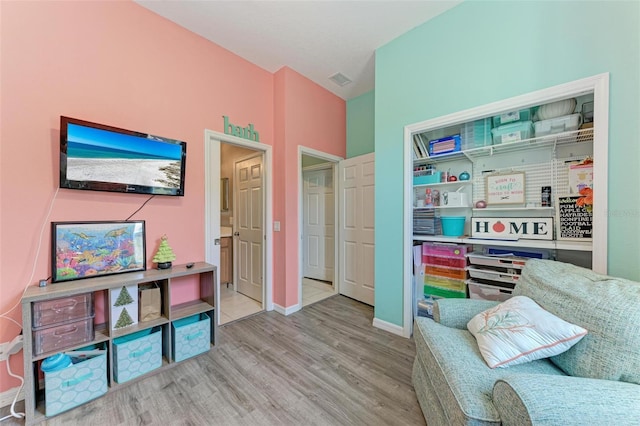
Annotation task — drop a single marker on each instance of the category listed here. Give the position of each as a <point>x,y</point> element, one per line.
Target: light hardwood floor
<point>323,365</point>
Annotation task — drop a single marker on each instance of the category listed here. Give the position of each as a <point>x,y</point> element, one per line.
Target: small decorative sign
<point>505,188</point>
<point>580,177</point>
<point>124,306</point>
<point>242,132</point>
<point>575,221</point>
<point>511,228</point>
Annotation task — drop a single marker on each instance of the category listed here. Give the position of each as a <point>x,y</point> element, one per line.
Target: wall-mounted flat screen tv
<point>105,158</point>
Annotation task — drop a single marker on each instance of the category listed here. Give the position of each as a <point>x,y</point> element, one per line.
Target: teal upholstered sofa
<point>595,382</point>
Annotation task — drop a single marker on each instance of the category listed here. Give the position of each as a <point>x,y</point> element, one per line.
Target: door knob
<point>236,234</point>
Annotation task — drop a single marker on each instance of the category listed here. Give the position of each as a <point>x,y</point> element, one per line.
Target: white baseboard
<point>391,328</point>
<point>286,311</point>
<point>6,397</point>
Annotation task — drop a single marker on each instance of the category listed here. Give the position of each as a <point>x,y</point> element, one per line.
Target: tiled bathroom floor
<point>234,305</point>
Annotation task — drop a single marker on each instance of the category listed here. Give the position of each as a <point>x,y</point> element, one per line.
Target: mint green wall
<point>480,52</point>
<point>360,115</point>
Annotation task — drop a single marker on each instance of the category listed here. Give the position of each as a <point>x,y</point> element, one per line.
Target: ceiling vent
<point>340,79</point>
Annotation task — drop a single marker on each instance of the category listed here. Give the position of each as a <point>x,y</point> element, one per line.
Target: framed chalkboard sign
<point>573,222</point>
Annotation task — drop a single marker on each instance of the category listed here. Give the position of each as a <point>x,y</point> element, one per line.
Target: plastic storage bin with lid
<point>508,117</point>
<point>552,126</point>
<point>513,132</point>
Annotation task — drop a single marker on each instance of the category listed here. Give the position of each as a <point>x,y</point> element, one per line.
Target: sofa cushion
<point>519,330</point>
<point>528,399</point>
<point>461,379</point>
<point>609,308</point>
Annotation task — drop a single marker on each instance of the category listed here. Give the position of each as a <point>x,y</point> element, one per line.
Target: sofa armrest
<point>457,313</point>
<point>536,399</point>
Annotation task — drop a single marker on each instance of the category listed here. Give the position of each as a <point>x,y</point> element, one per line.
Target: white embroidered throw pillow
<point>519,331</point>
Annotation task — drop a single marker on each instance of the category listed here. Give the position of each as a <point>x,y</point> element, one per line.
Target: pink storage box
<point>449,262</point>
<point>445,249</point>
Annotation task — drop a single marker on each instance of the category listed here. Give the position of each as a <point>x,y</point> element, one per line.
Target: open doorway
<point>318,214</point>
<point>238,207</point>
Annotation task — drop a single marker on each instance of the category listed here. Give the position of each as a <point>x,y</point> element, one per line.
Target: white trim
<point>598,85</point>
<point>287,311</point>
<point>334,162</point>
<point>210,234</point>
<point>321,166</point>
<point>6,397</point>
<point>390,327</point>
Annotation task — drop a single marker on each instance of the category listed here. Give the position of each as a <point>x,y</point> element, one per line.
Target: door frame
<point>334,162</point>
<point>599,85</point>
<point>212,140</point>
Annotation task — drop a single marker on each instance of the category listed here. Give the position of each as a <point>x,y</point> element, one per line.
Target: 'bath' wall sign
<point>241,132</point>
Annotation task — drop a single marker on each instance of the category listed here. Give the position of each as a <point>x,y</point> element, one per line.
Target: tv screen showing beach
<point>151,164</point>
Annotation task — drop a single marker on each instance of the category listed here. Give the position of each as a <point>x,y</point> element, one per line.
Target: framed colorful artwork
<point>90,249</point>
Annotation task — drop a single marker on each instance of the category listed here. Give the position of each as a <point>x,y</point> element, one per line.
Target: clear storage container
<point>62,336</point>
<point>61,310</point>
<point>552,126</point>
<point>512,132</point>
<point>512,117</point>
<point>476,134</point>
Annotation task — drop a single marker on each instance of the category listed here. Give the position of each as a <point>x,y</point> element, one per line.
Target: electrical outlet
<point>10,348</point>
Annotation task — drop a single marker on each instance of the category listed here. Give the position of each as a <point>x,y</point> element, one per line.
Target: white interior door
<point>318,224</point>
<point>357,228</point>
<point>248,208</point>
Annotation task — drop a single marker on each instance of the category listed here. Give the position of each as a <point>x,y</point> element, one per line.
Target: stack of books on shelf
<point>426,222</point>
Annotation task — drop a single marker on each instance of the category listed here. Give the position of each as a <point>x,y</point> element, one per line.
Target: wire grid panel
<point>562,170</point>
<point>536,176</point>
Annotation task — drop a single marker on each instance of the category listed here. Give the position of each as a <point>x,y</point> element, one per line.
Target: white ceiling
<point>315,38</point>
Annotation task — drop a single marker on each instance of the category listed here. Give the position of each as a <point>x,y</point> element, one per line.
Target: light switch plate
<point>276,226</point>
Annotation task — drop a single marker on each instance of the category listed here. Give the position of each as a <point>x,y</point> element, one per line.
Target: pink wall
<point>116,63</point>
<point>306,115</point>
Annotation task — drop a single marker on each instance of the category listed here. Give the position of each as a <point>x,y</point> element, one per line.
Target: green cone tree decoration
<point>124,319</point>
<point>164,256</point>
<point>124,298</point>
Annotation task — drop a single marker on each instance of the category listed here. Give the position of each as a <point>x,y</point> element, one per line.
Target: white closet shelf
<point>473,154</point>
